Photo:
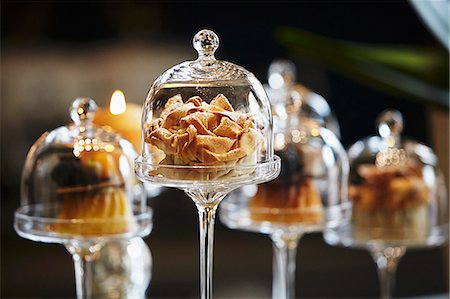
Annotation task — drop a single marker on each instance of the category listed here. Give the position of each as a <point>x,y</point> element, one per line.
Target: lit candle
<point>123,118</point>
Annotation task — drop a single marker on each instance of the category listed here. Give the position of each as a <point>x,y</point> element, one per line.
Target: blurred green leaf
<point>408,71</point>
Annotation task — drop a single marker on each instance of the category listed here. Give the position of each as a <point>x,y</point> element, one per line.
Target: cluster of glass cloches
<point>78,182</point>
<point>384,191</point>
<point>207,126</point>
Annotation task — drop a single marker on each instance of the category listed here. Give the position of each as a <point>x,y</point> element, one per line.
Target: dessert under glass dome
<point>206,120</point>
<point>397,195</point>
<point>78,188</point>
<point>310,190</point>
<point>207,129</point>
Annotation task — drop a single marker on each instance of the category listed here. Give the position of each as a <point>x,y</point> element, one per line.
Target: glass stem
<point>207,204</point>
<point>206,221</point>
<point>83,257</point>
<point>387,260</point>
<point>284,264</point>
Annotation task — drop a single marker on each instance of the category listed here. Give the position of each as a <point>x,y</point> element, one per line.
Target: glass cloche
<point>396,188</point>
<point>78,188</point>
<point>310,189</point>
<point>78,181</point>
<point>287,95</point>
<point>210,119</point>
<point>314,170</point>
<point>207,129</point>
<point>398,198</point>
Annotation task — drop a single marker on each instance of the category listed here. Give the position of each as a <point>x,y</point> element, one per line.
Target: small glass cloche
<point>78,183</point>
<point>314,165</point>
<point>308,193</point>
<point>397,190</point>
<point>287,96</point>
<point>397,199</point>
<point>205,120</point>
<point>312,182</point>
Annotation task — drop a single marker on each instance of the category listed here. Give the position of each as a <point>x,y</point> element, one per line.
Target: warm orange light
<point>117,105</point>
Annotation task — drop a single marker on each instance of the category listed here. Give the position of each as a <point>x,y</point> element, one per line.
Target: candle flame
<point>117,105</point>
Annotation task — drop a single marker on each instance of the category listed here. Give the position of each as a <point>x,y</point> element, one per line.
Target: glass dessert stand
<point>78,189</point>
<point>308,191</point>
<point>207,192</point>
<point>35,222</point>
<point>397,199</point>
<point>314,170</point>
<point>207,128</point>
<point>285,226</point>
<point>386,253</point>
<point>123,270</point>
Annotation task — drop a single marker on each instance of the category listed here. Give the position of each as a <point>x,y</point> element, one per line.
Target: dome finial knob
<point>83,109</point>
<point>281,73</point>
<point>390,123</point>
<point>206,43</point>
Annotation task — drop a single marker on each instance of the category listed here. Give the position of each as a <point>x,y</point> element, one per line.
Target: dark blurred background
<point>52,52</point>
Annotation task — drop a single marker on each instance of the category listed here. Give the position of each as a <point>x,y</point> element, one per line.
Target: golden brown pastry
<point>390,203</point>
<point>287,203</point>
<point>104,165</point>
<point>98,206</point>
<point>196,133</point>
<point>389,188</point>
<point>95,212</point>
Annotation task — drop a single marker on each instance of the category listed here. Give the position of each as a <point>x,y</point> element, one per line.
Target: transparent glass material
<point>397,198</point>
<point>79,189</point>
<point>207,129</point>
<point>122,269</point>
<point>287,95</point>
<point>311,188</point>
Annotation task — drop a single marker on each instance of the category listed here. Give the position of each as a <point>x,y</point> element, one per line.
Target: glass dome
<point>78,183</point>
<point>312,183</point>
<point>205,120</point>
<point>287,96</point>
<point>397,191</point>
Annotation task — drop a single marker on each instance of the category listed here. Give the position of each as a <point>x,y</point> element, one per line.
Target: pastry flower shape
<point>194,133</point>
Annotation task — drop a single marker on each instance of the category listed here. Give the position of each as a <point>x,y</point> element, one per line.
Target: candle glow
<point>122,117</point>
<point>118,104</point>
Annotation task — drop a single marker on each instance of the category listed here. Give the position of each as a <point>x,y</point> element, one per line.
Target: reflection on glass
<point>287,96</point>
<point>122,269</point>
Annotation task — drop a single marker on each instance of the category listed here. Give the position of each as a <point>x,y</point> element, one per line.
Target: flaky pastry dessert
<point>93,195</point>
<point>390,203</point>
<point>293,197</point>
<point>195,133</point>
<point>287,203</point>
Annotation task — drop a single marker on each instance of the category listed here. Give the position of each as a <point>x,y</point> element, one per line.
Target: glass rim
<point>139,161</point>
<point>23,214</point>
<point>272,211</point>
<point>246,174</point>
